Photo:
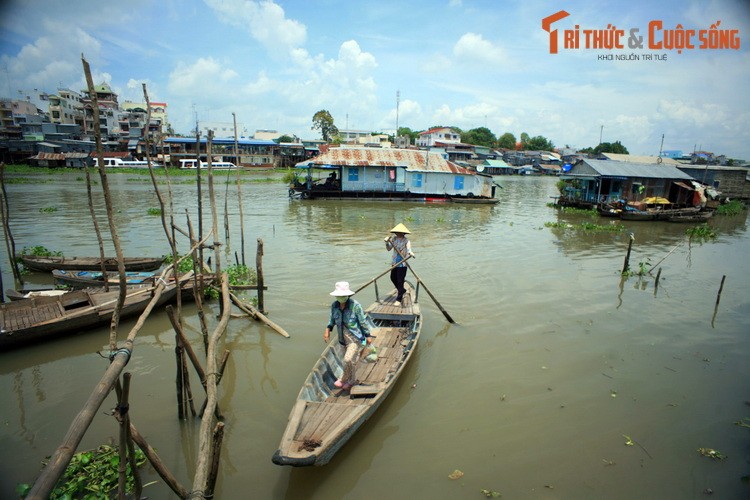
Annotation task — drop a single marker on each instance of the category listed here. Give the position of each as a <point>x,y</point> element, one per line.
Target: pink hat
<point>342,289</point>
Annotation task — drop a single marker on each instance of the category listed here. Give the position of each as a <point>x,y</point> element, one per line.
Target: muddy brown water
<point>555,363</point>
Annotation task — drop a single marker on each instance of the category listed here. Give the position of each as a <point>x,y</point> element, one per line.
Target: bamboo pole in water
<point>158,465</point>
<point>259,274</point>
<point>109,206</point>
<point>626,264</point>
<point>255,314</point>
<point>239,189</point>
<point>203,464</point>
<point>9,241</point>
<point>96,224</point>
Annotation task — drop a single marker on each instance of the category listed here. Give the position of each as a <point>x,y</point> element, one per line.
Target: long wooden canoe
<point>324,417</point>
<point>36,263</point>
<point>36,319</point>
<point>79,278</point>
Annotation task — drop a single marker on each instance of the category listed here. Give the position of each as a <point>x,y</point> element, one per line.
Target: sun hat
<point>342,289</point>
<point>400,228</point>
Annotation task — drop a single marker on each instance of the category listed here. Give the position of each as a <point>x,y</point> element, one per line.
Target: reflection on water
<point>553,359</point>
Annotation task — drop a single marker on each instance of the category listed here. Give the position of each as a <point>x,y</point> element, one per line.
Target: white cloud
<point>473,48</point>
<point>266,22</point>
<point>206,78</point>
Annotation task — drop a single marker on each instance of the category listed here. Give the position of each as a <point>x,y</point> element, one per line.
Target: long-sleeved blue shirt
<point>352,317</point>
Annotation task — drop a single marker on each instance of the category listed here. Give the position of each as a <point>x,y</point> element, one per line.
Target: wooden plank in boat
<point>312,412</point>
<point>367,390</point>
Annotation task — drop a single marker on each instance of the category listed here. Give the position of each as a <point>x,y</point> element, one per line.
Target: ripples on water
<point>554,357</point>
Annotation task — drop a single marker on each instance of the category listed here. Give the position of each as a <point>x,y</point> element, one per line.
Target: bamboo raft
<point>325,417</point>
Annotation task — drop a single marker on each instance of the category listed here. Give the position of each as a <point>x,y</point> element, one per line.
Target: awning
<point>683,185</point>
<point>48,145</point>
<point>132,143</point>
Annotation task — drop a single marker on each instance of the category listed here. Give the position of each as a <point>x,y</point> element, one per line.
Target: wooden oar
<point>379,276</point>
<point>445,313</point>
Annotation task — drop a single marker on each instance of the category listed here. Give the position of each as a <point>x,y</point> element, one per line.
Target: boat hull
<point>324,418</point>
<point>47,264</point>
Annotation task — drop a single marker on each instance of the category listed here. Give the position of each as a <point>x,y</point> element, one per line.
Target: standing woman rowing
<point>401,247</point>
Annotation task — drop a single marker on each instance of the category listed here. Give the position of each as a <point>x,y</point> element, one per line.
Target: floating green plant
<point>94,474</point>
<point>154,211</point>
<point>734,207</point>
<point>702,232</point>
<point>48,210</point>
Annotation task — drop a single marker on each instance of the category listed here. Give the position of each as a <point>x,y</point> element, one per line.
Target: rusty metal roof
<point>411,159</point>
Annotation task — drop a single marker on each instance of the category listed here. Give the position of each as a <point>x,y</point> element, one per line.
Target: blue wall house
<point>386,173</point>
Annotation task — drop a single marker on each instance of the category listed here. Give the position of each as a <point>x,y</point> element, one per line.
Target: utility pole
<point>398,100</point>
<point>600,134</point>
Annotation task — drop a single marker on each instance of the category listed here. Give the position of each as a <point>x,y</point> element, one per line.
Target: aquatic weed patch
<point>734,207</point>
<point>587,226</point>
<point>92,474</point>
<point>701,233</point>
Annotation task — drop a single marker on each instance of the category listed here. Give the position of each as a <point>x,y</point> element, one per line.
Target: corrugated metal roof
<point>612,168</point>
<point>412,159</point>
<point>641,159</point>
<point>48,157</point>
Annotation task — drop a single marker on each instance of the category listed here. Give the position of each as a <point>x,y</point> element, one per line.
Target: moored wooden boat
<point>696,217</point>
<point>48,263</point>
<point>324,417</point>
<point>83,279</point>
<point>637,215</point>
<point>36,319</point>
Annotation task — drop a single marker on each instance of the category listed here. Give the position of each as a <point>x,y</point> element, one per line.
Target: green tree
<point>507,141</point>
<point>537,143</point>
<point>406,131</point>
<point>614,147</point>
<point>285,138</point>
<point>323,121</point>
<point>481,136</point>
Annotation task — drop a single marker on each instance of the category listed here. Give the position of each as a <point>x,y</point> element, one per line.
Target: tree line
<point>481,136</point>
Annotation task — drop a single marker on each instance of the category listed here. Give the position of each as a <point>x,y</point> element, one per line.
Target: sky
<point>417,64</point>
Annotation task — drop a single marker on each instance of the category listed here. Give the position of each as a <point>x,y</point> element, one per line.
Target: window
<point>353,175</point>
<point>458,182</point>
<point>416,180</point>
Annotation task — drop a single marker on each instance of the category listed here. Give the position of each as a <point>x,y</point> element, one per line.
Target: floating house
<point>595,183</point>
<point>390,174</point>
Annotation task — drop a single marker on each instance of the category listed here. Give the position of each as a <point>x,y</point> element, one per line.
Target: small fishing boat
<point>637,215</point>
<point>27,294</point>
<point>36,319</point>
<point>48,263</point>
<point>697,217</point>
<point>83,279</point>
<point>325,417</point>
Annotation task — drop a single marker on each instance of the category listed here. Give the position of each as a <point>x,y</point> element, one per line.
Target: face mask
<point>342,299</point>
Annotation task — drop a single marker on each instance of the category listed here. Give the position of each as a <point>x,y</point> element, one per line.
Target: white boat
<point>215,165</point>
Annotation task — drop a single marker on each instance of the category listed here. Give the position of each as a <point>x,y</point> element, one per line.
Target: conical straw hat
<point>400,228</point>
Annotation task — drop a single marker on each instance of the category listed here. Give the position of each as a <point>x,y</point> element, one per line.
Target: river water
<point>553,366</point>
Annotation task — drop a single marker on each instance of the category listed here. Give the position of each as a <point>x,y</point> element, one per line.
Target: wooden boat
<point>37,263</point>
<point>36,319</point>
<point>325,417</point>
<point>696,217</point>
<point>637,215</point>
<point>83,279</point>
<point>27,294</point>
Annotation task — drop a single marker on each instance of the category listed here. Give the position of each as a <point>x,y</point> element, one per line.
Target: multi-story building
<point>66,107</point>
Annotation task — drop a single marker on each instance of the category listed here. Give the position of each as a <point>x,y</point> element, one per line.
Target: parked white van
<point>218,165</point>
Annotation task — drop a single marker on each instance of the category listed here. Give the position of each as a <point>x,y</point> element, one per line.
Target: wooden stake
<point>721,288</point>
<point>656,283</point>
<point>239,190</point>
<point>215,458</point>
<point>259,273</point>
<point>626,264</point>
